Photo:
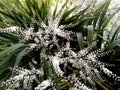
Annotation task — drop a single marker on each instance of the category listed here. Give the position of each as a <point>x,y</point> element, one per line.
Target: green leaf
<point>115,35</point>
<point>20,56</point>
<point>113,44</point>
<point>10,49</point>
<point>100,84</point>
<point>80,40</point>
<point>115,54</point>
<point>55,9</point>
<point>107,20</point>
<point>90,34</point>
<point>103,12</point>
<point>100,14</point>
<point>2,25</point>
<point>4,75</point>
<point>67,13</point>
<point>4,60</point>
<point>29,6</point>
<point>7,61</point>
<point>78,17</point>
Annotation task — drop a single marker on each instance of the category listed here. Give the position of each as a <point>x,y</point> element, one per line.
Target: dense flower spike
<point>11,29</point>
<point>77,85</point>
<point>22,75</point>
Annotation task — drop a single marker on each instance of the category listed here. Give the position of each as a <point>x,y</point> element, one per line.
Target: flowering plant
<point>57,49</point>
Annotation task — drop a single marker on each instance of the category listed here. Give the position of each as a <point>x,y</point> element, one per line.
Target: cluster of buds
<point>85,62</point>
<point>110,74</point>
<point>11,29</point>
<point>22,75</point>
<point>77,84</point>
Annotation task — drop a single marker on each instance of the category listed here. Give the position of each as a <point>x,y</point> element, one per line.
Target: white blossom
<point>105,70</point>
<point>11,29</point>
<point>27,76</point>
<point>55,62</point>
<point>43,85</point>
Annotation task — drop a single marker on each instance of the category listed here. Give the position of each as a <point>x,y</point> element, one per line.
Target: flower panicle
<point>11,29</point>
<point>24,75</point>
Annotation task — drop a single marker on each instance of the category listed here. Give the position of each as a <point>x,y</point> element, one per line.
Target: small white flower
<point>36,40</point>
<point>10,29</point>
<point>105,70</point>
<point>8,89</point>
<point>13,28</point>
<point>86,88</point>
<point>28,33</point>
<point>43,85</point>
<point>55,61</point>
<point>19,77</point>
<point>57,31</point>
<point>32,45</point>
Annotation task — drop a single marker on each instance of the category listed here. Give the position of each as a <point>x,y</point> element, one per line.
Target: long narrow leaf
<point>80,40</point>
<point>10,49</point>
<point>20,56</point>
<point>90,34</point>
<point>106,21</point>
<point>113,44</point>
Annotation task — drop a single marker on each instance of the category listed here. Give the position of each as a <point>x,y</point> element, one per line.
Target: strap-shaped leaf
<point>113,44</point>
<point>100,84</point>
<point>5,62</point>
<point>80,40</point>
<point>10,49</point>
<point>107,20</point>
<point>90,34</point>
<point>103,13</point>
<point>115,35</point>
<point>100,13</point>
<point>20,56</point>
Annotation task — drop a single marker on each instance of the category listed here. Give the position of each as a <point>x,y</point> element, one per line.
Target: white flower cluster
<point>84,61</point>
<point>86,64</point>
<point>55,62</point>
<point>11,29</point>
<point>77,85</point>
<point>110,74</point>
<point>23,75</point>
<point>43,85</point>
